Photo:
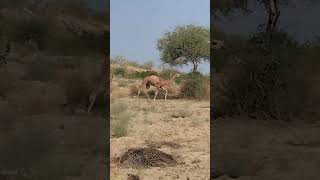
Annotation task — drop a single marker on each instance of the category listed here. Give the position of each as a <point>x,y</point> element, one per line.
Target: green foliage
<point>140,75</point>
<point>186,44</point>
<point>120,71</point>
<point>193,86</point>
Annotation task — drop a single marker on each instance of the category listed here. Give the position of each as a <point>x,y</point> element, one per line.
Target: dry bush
<point>134,88</point>
<point>172,88</point>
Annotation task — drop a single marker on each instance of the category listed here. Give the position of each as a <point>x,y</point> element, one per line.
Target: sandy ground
<point>153,121</point>
<point>246,149</point>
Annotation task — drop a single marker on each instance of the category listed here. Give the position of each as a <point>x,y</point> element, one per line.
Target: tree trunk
<point>195,66</point>
<point>273,15</point>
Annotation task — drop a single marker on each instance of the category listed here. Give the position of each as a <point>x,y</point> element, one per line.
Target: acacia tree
<point>185,44</point>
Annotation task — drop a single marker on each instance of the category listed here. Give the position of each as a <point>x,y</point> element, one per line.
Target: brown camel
<point>157,82</point>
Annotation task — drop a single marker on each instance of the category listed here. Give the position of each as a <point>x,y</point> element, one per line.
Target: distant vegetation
<point>266,79</point>
<point>191,85</point>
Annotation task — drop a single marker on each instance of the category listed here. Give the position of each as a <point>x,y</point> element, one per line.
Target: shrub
<point>141,75</point>
<point>148,65</point>
<point>193,86</point>
<point>134,88</point>
<point>119,71</point>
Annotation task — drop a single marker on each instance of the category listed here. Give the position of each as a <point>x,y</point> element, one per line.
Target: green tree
<point>185,44</point>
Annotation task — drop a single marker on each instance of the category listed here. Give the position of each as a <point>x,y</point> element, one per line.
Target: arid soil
<point>251,149</point>
<point>177,127</point>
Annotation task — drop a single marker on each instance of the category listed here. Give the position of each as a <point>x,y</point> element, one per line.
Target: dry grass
<point>120,118</point>
<point>181,114</point>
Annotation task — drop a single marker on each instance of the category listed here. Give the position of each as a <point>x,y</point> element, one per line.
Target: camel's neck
<point>168,81</point>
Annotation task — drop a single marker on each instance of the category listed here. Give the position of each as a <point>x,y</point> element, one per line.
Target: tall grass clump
<point>119,119</point>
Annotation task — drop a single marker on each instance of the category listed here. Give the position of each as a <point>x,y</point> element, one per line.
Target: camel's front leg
<point>165,96</point>
<point>148,95</point>
<point>139,91</point>
<point>155,95</point>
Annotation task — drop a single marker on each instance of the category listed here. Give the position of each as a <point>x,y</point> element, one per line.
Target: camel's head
<point>175,75</point>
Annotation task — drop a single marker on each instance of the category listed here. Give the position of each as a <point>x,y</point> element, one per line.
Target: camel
<point>157,82</point>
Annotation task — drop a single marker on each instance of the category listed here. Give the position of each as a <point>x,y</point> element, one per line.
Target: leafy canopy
<point>185,44</point>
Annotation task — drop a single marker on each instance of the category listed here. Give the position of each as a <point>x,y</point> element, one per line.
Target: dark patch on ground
<point>133,177</point>
<point>144,158</point>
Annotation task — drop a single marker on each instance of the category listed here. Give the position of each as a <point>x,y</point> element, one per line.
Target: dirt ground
<point>247,149</point>
<point>184,122</point>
